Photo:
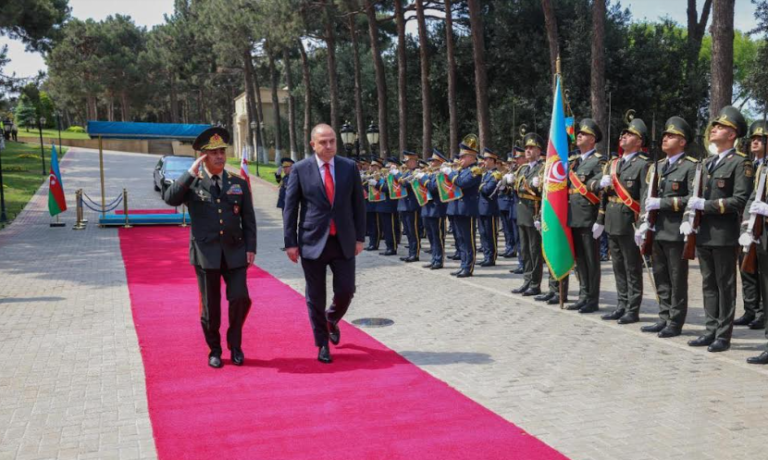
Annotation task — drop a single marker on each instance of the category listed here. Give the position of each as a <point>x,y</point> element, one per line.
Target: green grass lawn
<point>53,133</point>
<point>266,171</point>
<point>22,174</point>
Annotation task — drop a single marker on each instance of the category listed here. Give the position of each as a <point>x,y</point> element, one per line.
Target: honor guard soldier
<point>585,173</point>
<point>674,184</point>
<point>623,183</point>
<point>222,241</point>
<point>433,212</point>
<point>409,208</point>
<point>753,316</point>
<point>505,200</point>
<point>468,179</point>
<point>373,221</point>
<point>488,209</point>
<point>282,179</point>
<point>519,163</point>
<point>387,211</point>
<point>728,183</point>
<point>450,213</point>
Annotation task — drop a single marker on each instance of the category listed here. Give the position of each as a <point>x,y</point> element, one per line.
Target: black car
<point>168,169</point>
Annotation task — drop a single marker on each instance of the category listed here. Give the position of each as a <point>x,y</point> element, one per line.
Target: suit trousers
<point>435,228</point>
<point>750,288</point>
<point>343,270</point>
<point>587,264</point>
<point>530,246</point>
<point>718,282</point>
<point>374,229</point>
<point>410,221</point>
<point>628,270</point>
<point>389,227</point>
<point>465,230</point>
<point>209,285</point>
<point>670,272</point>
<point>489,240</point>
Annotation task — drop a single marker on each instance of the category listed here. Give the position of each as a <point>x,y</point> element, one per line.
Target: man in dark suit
<point>324,224</point>
<point>222,241</point>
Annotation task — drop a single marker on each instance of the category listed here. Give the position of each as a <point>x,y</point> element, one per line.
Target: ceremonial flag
<point>57,202</point>
<point>244,171</point>
<point>448,191</point>
<point>556,238</point>
<point>570,128</point>
<point>375,195</point>
<point>396,189</point>
<point>421,193</point>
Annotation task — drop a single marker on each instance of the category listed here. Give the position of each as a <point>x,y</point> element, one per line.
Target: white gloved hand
<point>445,169</point>
<point>597,230</point>
<point>509,178</point>
<point>696,203</point>
<point>393,170</point>
<point>685,228</point>
<point>605,181</point>
<point>640,234</point>
<point>420,175</point>
<point>536,182</point>
<point>537,224</point>
<point>372,182</point>
<point>652,204</point>
<point>759,207</point>
<point>745,239</point>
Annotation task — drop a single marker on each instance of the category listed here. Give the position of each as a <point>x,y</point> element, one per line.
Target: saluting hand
<point>195,168</point>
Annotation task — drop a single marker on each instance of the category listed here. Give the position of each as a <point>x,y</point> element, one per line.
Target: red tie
<point>329,190</point>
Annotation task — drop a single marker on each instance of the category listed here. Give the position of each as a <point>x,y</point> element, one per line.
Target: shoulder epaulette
<point>598,155</point>
<point>573,157</point>
<point>691,159</point>
<point>659,161</point>
<point>741,154</point>
<point>643,156</point>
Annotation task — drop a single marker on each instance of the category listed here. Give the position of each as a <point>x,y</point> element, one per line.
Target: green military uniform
<point>528,208</point>
<point>728,183</point>
<point>620,208</point>
<point>674,177</point>
<point>584,182</point>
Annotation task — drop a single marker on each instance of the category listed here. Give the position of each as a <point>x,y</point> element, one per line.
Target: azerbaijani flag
<point>244,171</point>
<point>556,238</point>
<point>448,191</point>
<point>57,202</point>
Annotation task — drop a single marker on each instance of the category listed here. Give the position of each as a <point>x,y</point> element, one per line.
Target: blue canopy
<point>137,130</point>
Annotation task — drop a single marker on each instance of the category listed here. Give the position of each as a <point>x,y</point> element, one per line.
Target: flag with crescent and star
<point>57,202</point>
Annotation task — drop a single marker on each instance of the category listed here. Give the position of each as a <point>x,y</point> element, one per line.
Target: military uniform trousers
<point>411,223</point>
<point>628,271</point>
<point>465,231</point>
<point>752,291</point>
<point>587,264</point>
<point>554,285</point>
<point>452,231</point>
<point>435,228</point>
<point>509,228</point>
<point>209,284</point>
<point>762,270</point>
<point>670,273</point>
<point>718,281</point>
<point>390,228</point>
<point>530,247</point>
<point>373,229</point>
<point>489,240</point>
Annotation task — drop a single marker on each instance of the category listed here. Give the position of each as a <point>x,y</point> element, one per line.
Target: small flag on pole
<point>244,171</point>
<point>57,202</point>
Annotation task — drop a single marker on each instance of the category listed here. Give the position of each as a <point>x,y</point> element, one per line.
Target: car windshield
<point>178,164</point>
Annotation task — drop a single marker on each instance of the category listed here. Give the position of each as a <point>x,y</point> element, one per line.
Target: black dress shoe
<point>761,359</point>
<point>402,259</point>
<point>614,315</point>
<point>334,333</point>
<point>531,291</point>
<point>388,252</point>
<point>436,266</point>
<point>455,257</point>
<point>456,272</point>
<point>410,259</point>
<point>371,248</point>
<point>719,345</point>
<point>544,297</point>
<point>589,308</point>
<point>629,318</point>
<point>324,355</point>
<point>555,300</point>
<point>464,274</point>
<point>658,326</point>
<point>519,271</point>
<point>521,289</point>
<point>488,263</point>
<point>238,357</point>
<point>576,306</point>
<point>744,319</point>
<point>215,361</point>
<point>757,324</point>
<point>429,265</point>
<point>669,331</point>
<point>703,341</point>
<point>509,255</point>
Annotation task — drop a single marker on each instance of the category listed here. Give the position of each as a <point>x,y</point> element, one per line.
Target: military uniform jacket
<point>488,206</point>
<point>726,190</point>
<point>408,203</point>
<point>529,197</point>
<point>434,207</point>
<point>389,205</point>
<point>281,192</point>
<point>581,212</point>
<point>223,225</point>
<point>617,217</point>
<point>468,204</point>
<point>504,199</point>
<point>764,236</point>
<point>675,185</point>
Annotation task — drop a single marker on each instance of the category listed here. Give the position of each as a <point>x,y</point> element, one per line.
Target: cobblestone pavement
<point>72,384</point>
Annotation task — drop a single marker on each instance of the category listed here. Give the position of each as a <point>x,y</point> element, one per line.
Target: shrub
<point>76,129</point>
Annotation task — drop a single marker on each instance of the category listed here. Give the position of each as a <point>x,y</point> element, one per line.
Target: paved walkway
<point>72,384</point>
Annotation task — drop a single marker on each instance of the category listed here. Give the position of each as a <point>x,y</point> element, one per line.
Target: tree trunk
<point>381,81</point>
<point>359,120</point>
<point>597,80</point>
<point>550,20</point>
<point>722,56</point>
<point>426,100</point>
<point>91,107</point>
<point>453,117</point>
<point>481,80</point>
<point>260,137</point>
<point>696,28</point>
<point>275,105</point>
<point>200,106</point>
<point>291,106</point>
<point>174,99</point>
<point>402,77</point>
<point>307,98</point>
<point>125,106</point>
<point>250,100</point>
<point>330,41</point>
<point>111,108</point>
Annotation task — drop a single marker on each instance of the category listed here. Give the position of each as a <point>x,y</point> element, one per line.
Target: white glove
<point>640,234</point>
<point>420,175</point>
<point>759,207</point>
<point>445,169</point>
<point>537,224</point>
<point>393,170</point>
<point>685,228</point>
<point>597,230</point>
<point>651,204</point>
<point>745,239</point>
<point>371,181</point>
<point>535,182</point>
<point>605,181</point>
<point>696,203</point>
<point>509,178</point>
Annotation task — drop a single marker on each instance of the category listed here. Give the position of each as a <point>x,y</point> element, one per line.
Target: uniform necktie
<point>216,186</point>
<point>329,190</point>
<point>665,168</point>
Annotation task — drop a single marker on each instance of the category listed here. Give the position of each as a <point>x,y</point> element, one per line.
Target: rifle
<point>653,192</point>
<point>694,216</point>
<point>755,230</point>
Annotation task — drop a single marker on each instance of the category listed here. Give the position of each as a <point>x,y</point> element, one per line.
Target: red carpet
<point>369,404</point>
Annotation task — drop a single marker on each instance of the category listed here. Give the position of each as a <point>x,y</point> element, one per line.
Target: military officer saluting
<point>409,208</point>
<point>433,212</point>
<point>489,209</point>
<point>586,170</point>
<point>726,190</point>
<point>674,177</point>
<point>285,164</point>
<point>623,182</point>
<point>222,241</point>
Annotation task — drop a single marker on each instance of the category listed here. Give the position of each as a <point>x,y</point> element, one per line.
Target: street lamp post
<point>254,125</point>
<point>40,123</point>
<point>372,134</point>
<point>348,137</point>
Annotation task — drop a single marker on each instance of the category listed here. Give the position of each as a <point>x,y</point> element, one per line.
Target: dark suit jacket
<point>307,213</point>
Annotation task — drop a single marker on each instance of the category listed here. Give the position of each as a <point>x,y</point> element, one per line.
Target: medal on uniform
<point>721,183</point>
<point>236,209</point>
<point>675,186</point>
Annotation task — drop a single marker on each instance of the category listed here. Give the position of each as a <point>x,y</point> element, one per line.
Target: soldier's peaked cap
<point>678,125</point>
<point>211,139</point>
<point>533,140</point>
<point>638,128</point>
<point>589,126</point>
<point>731,117</point>
<point>758,129</point>
<point>438,155</point>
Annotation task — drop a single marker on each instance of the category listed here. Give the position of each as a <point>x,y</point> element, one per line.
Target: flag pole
<point>558,73</point>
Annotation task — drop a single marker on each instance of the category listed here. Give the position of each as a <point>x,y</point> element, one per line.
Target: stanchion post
<point>183,215</point>
<point>125,208</point>
<point>79,225</point>
<point>101,170</point>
